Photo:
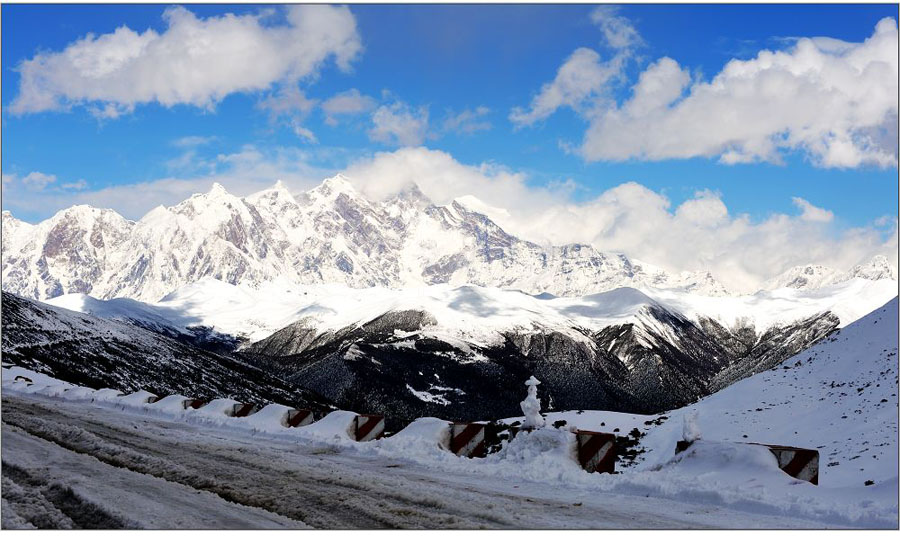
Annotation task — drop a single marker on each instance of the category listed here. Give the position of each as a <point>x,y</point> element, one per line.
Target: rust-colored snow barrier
<point>596,451</point>
<point>298,418</point>
<point>243,410</point>
<point>367,427</point>
<point>468,439</point>
<point>194,403</point>
<point>799,463</point>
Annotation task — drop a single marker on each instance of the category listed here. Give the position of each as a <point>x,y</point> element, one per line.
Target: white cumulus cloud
<point>195,61</point>
<point>580,82</point>
<point>618,30</point>
<point>349,102</point>
<point>290,105</point>
<point>467,121</point>
<point>398,123</point>
<point>37,180</point>
<point>808,212</point>
<point>834,102</point>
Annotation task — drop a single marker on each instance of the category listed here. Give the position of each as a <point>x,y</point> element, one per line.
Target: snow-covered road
<point>70,464</point>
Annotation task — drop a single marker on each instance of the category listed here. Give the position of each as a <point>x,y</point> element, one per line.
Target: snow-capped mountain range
<point>814,276</point>
<point>330,234</point>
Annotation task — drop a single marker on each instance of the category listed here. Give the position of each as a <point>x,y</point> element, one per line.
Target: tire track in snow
<point>49,505</point>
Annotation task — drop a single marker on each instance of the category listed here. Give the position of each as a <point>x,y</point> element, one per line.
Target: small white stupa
<point>531,406</point>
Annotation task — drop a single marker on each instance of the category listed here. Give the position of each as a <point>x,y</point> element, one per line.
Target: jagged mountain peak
<point>217,190</point>
<point>215,196</point>
<point>85,211</point>
<point>472,203</point>
<point>211,207</point>
<point>410,194</point>
<point>877,268</point>
<point>807,276</point>
<point>10,222</point>
<point>157,214</point>
<point>272,196</point>
<point>334,186</point>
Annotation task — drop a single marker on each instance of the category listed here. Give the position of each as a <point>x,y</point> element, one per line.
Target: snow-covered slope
<point>839,396</point>
<point>331,234</point>
<point>97,352</point>
<point>848,300</point>
<point>533,481</point>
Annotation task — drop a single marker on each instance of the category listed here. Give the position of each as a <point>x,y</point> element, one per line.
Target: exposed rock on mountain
<point>644,358</point>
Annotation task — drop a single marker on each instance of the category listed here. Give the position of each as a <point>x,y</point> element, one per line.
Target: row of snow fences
<point>799,463</point>
<point>596,451</point>
<point>368,427</point>
<point>293,417</point>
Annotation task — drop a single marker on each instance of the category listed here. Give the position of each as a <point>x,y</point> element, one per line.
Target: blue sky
<point>444,60</point>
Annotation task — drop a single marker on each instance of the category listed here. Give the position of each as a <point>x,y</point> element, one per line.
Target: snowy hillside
<point>88,350</point>
<point>839,397</point>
